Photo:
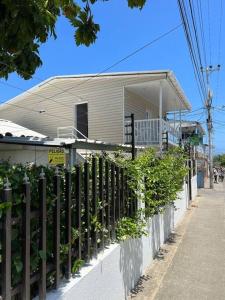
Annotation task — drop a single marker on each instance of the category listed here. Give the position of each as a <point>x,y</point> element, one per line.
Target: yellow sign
<point>56,157</point>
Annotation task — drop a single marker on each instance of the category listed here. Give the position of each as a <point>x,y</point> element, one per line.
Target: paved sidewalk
<point>197,269</point>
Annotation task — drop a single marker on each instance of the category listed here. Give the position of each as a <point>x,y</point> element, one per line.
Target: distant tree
<point>219,160</point>
<point>26,24</point>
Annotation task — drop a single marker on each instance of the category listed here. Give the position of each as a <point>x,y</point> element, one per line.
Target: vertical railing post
<point>78,207</point>
<point>94,203</point>
<point>126,191</point>
<point>42,224</point>
<point>101,198</point>
<point>122,192</point>
<point>160,115</point>
<point>68,221</point>
<point>113,206</point>
<point>6,243</point>
<point>87,211</point>
<point>133,137</point>
<point>131,202</point>
<point>107,200</point>
<point>117,209</point>
<point>57,192</point>
<point>26,239</point>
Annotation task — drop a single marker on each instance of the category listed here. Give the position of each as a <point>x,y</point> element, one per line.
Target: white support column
<point>72,158</point>
<point>160,117</point>
<point>180,128</point>
<point>175,127</point>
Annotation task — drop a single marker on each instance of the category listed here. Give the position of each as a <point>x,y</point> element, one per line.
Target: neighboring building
<point>193,135</point>
<point>8,128</point>
<point>15,153</point>
<point>96,106</point>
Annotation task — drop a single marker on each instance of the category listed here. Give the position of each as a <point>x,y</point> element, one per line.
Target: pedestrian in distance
<point>215,174</point>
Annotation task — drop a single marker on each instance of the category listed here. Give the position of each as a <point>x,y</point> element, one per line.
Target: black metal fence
<point>67,230</point>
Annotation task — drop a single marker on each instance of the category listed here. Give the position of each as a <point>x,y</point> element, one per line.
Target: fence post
<point>117,209</point>
<point>6,243</point>
<point>94,203</point>
<point>42,247</point>
<point>122,188</point>
<point>107,201</point>
<point>101,198</point>
<point>87,210</point>
<point>113,206</point>
<point>68,221</point>
<point>78,207</point>
<point>126,195</point>
<point>26,239</point>
<point>57,182</point>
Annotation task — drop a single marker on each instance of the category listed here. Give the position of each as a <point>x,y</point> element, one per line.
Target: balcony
<point>150,132</point>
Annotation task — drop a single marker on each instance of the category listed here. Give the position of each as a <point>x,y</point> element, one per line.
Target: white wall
<point>39,157</point>
<point>194,187</point>
<point>138,106</point>
<point>181,204</point>
<point>104,95</point>
<point>116,271</point>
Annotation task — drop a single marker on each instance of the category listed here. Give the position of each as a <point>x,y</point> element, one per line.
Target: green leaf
<point>42,254</point>
<point>18,265</point>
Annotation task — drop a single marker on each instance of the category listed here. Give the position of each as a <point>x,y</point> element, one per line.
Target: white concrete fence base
<point>117,270</point>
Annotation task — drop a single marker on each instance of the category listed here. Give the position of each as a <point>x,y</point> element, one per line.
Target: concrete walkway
<point>197,269</point>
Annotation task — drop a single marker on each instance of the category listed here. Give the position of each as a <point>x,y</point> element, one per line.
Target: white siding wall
<point>105,105</point>
<point>138,106</point>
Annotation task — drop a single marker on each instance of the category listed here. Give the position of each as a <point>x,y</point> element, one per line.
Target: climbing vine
<point>156,179</point>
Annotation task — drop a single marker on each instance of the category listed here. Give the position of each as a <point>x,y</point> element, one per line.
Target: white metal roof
<point>163,74</point>
<point>16,130</point>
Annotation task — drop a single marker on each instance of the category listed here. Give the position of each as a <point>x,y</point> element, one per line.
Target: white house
<point>96,106</point>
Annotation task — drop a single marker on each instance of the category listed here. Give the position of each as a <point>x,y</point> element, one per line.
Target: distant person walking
<point>221,174</point>
<point>215,174</point>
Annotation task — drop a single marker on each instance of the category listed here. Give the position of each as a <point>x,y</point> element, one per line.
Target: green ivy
<point>155,180</point>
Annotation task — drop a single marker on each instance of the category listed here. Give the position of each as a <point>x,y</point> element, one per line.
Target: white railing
<point>147,132</point>
<point>69,132</point>
<point>173,133</point>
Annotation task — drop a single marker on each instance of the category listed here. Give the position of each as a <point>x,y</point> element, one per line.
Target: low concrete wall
<point>194,187</point>
<point>181,204</point>
<point>118,268</point>
<point>116,271</point>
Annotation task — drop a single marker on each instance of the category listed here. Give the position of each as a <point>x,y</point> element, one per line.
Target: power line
<point>219,46</point>
<point>192,51</point>
<point>195,32</point>
<point>196,56</point>
<point>30,93</point>
<point>96,75</point>
<point>200,16</point>
<point>46,82</point>
<point>30,109</point>
<point>128,56</point>
<point>209,33</point>
<point>91,78</point>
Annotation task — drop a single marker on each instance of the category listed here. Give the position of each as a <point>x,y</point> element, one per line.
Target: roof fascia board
<point>179,91</point>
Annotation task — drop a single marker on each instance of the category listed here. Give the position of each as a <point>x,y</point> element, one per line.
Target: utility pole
<point>208,104</point>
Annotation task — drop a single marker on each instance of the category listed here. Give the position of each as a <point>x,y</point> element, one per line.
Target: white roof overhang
<point>173,97</point>
<point>16,130</point>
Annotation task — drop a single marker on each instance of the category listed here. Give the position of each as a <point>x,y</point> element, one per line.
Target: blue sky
<point>124,30</point>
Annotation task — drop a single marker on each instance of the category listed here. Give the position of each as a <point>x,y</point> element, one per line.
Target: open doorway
<point>81,119</point>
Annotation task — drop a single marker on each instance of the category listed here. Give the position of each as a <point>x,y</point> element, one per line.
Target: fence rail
<point>76,217</point>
